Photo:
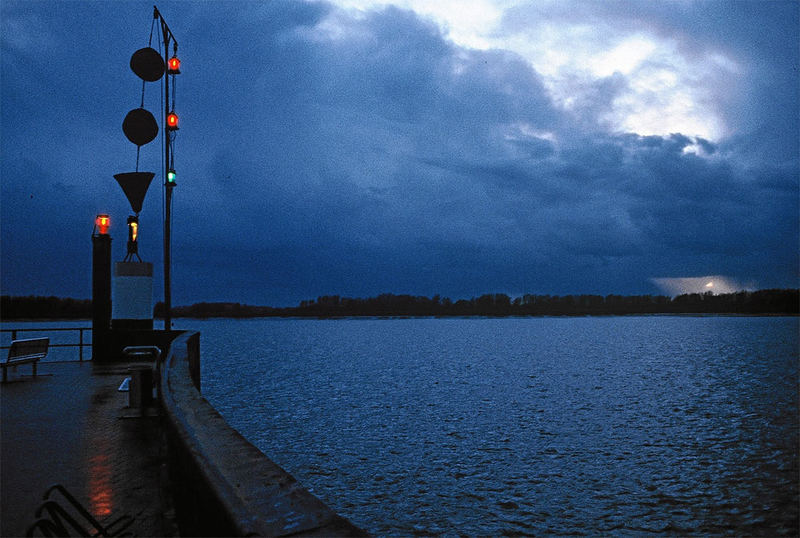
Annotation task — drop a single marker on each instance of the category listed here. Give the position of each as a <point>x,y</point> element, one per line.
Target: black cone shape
<point>140,126</point>
<point>148,64</point>
<point>134,185</point>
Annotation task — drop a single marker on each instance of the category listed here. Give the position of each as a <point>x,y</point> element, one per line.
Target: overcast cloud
<point>361,148</point>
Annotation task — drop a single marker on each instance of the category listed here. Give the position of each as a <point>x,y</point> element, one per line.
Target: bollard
<point>140,395</point>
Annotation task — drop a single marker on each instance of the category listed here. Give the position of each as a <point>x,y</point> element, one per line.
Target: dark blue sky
<point>363,147</point>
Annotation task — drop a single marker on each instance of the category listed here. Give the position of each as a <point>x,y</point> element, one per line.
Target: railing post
<point>81,342</point>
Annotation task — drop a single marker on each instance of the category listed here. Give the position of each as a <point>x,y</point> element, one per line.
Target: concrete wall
<point>223,485</point>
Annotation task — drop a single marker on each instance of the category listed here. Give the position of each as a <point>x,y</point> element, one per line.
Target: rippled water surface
<point>627,425</point>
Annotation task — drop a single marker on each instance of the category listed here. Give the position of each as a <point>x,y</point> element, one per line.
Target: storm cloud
<point>326,150</point>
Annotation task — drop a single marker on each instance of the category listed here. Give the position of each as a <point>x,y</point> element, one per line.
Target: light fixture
<point>174,66</point>
<point>172,121</point>
<point>133,238</point>
<point>102,222</point>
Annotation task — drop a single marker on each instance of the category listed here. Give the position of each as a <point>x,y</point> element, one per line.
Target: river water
<point>609,425</point>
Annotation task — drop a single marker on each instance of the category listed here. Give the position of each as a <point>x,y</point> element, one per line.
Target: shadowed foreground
<point>65,427</point>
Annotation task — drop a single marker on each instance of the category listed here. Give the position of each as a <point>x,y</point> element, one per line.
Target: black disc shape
<point>140,126</point>
<point>148,64</point>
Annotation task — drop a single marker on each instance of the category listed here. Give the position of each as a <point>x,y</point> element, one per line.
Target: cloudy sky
<point>453,147</point>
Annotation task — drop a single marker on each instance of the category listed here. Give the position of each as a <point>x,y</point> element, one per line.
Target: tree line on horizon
<point>762,302</point>
<point>777,301</point>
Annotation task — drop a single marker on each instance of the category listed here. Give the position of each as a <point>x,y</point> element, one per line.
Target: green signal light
<point>171,176</point>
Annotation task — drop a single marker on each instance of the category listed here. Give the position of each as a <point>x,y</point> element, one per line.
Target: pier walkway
<point>69,426</point>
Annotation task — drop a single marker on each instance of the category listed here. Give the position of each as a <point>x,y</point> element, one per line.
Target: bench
<point>26,351</point>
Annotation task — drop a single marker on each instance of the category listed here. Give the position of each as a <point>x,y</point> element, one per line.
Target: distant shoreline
<point>542,316</point>
<point>775,302</point>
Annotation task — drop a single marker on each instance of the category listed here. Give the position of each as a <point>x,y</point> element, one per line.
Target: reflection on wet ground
<point>65,427</point>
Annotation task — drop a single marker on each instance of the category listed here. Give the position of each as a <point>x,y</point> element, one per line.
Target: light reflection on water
<point>628,425</point>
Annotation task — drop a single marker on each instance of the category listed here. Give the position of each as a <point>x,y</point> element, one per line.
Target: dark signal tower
<point>173,68</point>
<point>141,127</point>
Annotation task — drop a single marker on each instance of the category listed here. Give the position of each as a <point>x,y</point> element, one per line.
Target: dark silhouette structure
<point>763,302</point>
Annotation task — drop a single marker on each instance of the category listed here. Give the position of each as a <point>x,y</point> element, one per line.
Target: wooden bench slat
<point>25,351</point>
<point>30,346</point>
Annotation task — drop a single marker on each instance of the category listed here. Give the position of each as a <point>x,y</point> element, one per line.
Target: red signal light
<point>174,66</point>
<point>102,222</point>
<point>172,121</point>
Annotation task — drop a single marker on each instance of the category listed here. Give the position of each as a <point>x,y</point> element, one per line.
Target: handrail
<point>80,345</point>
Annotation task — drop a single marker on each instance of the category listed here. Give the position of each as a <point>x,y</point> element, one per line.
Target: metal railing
<point>80,344</point>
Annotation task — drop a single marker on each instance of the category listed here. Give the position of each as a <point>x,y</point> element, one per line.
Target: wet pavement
<point>71,426</point>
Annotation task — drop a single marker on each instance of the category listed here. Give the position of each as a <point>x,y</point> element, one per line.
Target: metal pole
<point>80,345</point>
<point>167,185</point>
<point>168,208</point>
<point>167,286</point>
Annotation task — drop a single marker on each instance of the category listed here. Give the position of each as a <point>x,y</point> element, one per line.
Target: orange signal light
<point>172,121</point>
<point>174,66</point>
<point>102,222</point>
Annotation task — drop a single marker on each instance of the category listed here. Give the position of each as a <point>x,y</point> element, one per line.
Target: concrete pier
<point>178,469</point>
<point>65,427</point>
